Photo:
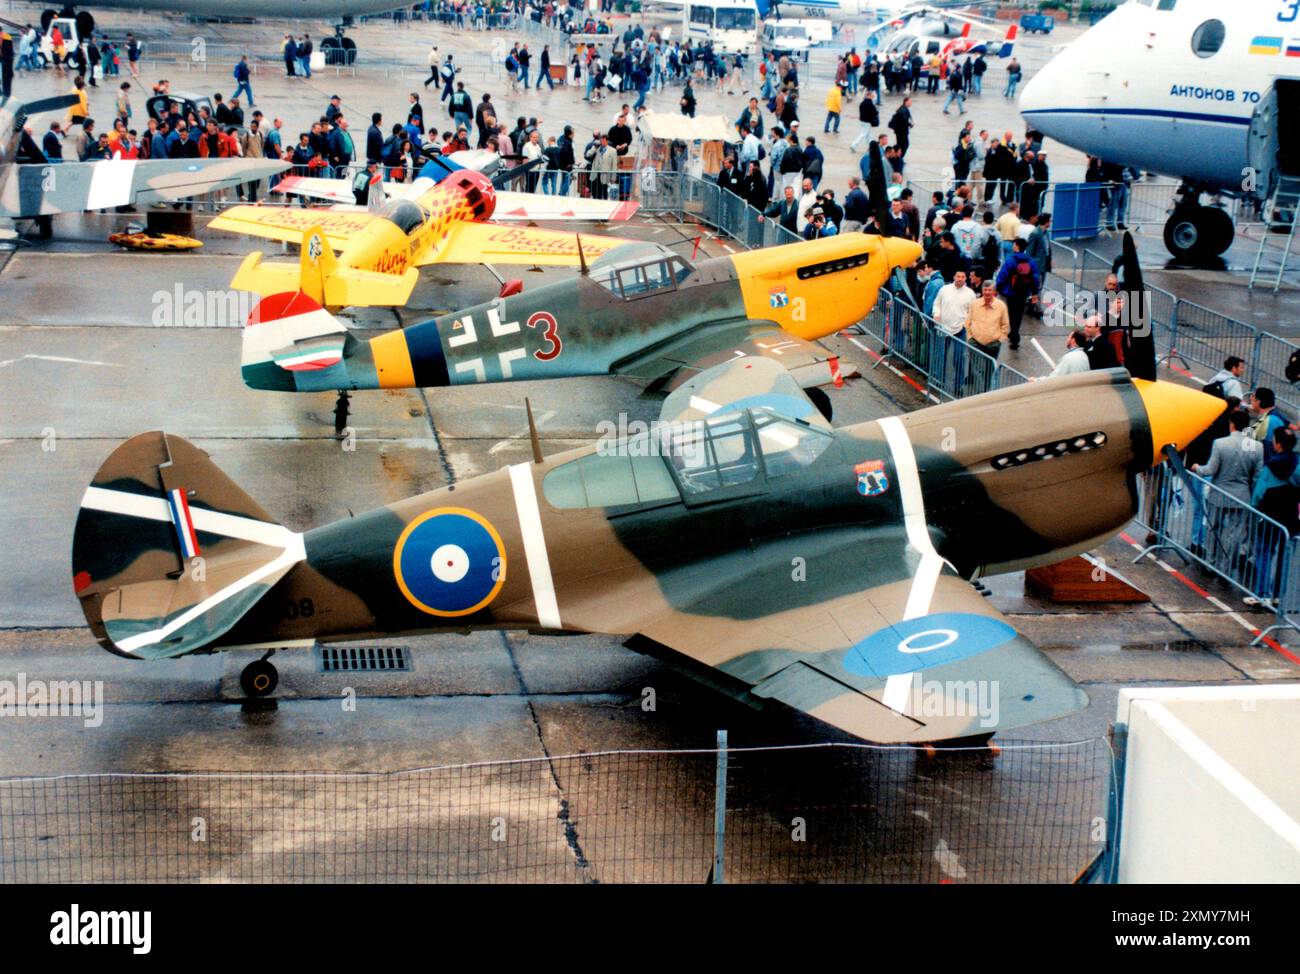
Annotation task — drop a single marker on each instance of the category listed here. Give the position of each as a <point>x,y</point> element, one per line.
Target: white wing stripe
<point>898,686</point>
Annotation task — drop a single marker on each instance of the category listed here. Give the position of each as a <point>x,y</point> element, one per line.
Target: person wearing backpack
<point>1228,379</point>
<point>242,76</point>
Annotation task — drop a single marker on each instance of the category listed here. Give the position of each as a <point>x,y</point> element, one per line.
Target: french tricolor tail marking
<point>183,521</point>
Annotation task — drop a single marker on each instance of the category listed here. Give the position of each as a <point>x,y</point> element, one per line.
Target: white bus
<point>731,26</point>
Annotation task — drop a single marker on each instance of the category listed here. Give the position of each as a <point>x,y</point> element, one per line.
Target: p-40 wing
<point>914,654</point>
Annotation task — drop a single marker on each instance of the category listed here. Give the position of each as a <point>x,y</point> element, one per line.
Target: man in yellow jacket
<point>834,102</point>
<point>80,111</point>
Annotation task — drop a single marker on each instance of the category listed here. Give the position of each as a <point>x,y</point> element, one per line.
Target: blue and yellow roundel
<point>449,562</point>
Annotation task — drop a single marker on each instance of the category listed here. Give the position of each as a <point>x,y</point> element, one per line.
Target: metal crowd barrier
<point>1188,332</point>
<point>953,368</point>
<point>1206,525</point>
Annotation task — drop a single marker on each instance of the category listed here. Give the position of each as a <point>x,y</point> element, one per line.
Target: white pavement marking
<point>929,395</point>
<point>1042,351</point>
<point>1214,601</point>
<point>539,563</point>
<point>948,861</point>
<point>59,358</point>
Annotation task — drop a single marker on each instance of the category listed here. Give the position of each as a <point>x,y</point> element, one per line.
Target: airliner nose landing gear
<point>340,50</point>
<point>1196,233</point>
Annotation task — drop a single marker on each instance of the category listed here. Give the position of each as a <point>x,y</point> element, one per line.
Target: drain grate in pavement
<point>343,659</point>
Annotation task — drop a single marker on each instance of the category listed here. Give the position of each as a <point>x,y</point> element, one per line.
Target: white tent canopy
<point>669,125</point>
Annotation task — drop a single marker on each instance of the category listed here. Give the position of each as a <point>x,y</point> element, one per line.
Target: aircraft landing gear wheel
<point>1218,229</point>
<point>85,24</point>
<point>333,50</point>
<point>46,16</point>
<point>341,413</point>
<point>259,678</point>
<point>1195,233</point>
<point>349,51</point>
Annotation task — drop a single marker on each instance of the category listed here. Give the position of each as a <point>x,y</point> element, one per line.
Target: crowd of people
<point>1250,456</point>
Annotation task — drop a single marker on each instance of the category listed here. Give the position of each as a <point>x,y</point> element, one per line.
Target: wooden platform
<point>1081,579</point>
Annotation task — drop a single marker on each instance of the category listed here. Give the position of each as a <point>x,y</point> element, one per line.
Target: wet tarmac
<point>88,361</point>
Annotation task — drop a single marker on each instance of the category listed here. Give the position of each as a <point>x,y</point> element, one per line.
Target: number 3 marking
<point>550,334</point>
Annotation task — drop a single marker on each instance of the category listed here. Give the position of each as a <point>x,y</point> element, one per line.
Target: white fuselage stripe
<point>530,529</point>
<point>110,183</point>
<point>898,686</point>
<point>211,522</point>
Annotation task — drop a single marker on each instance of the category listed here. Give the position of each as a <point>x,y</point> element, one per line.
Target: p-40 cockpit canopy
<point>695,461</point>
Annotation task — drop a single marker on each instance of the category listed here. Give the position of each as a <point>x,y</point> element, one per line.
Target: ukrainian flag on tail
<point>1266,45</point>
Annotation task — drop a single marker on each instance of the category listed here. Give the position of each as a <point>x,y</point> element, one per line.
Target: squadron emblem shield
<point>872,478</point>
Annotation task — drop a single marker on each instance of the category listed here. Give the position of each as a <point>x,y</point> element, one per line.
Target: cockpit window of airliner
<point>1208,38</point>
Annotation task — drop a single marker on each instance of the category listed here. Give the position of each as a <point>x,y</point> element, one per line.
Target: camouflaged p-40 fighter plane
<point>788,562</point>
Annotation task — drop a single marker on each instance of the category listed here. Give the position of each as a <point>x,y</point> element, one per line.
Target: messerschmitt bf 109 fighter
<point>638,310</point>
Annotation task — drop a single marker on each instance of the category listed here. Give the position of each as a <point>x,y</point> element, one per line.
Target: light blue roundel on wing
<point>927,642</point>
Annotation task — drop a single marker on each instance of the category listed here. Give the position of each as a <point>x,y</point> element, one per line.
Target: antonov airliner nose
<point>1036,95</point>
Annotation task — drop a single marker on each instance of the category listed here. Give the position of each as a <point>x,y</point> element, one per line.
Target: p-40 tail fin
<point>168,553</point>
